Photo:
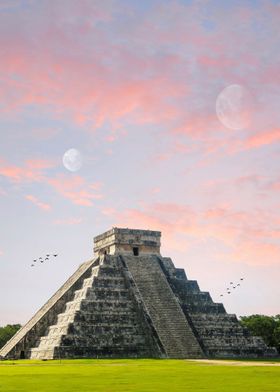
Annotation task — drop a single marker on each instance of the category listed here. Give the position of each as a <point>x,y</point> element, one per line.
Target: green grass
<point>136,375</point>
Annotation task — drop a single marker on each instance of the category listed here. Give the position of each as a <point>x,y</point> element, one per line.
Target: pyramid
<point>130,302</point>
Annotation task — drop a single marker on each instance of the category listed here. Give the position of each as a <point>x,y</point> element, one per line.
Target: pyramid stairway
<point>166,314</point>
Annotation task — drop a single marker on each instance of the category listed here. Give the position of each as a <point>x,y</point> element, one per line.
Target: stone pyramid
<point>130,302</point>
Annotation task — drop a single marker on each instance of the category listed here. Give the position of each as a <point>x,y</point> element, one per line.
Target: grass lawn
<point>138,375</point>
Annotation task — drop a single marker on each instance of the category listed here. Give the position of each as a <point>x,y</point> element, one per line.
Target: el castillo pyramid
<point>130,302</point>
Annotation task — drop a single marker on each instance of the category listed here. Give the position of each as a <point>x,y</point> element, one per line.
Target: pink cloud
<point>263,138</point>
<point>252,234</point>
<point>74,189</point>
<point>32,170</point>
<point>38,203</point>
<point>253,252</point>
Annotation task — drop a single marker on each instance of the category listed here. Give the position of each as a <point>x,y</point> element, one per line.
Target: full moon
<point>72,160</point>
<point>234,106</point>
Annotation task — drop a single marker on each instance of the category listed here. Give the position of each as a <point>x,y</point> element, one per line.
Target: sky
<point>134,87</point>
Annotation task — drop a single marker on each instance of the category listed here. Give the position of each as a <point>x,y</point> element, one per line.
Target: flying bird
<point>221,295</point>
<point>241,278</point>
<point>55,255</point>
<point>32,265</point>
<point>231,282</point>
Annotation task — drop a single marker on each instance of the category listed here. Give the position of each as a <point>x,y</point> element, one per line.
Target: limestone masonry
<point>130,302</point>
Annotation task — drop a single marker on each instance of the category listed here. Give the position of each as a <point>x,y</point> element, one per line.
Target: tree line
<point>268,327</point>
<point>7,332</point>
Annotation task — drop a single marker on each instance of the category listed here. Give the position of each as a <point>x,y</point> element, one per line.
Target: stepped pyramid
<point>130,302</point>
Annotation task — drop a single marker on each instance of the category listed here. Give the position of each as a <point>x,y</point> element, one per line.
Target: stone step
<point>138,350</point>
<point>108,314</point>
<point>48,342</point>
<point>96,293</point>
<point>110,271</point>
<point>208,308</point>
<point>214,318</point>
<point>100,291</point>
<point>37,353</point>
<point>94,304</point>
<point>109,283</point>
<point>81,294</point>
<point>94,328</point>
<point>103,340</point>
<point>88,282</point>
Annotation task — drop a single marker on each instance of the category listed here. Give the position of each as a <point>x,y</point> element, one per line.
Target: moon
<point>234,107</point>
<point>72,160</point>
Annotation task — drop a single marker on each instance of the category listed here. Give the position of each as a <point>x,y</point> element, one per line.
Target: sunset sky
<point>133,86</point>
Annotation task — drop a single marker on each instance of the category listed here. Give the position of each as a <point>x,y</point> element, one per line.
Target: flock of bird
<point>232,286</point>
<point>42,260</point>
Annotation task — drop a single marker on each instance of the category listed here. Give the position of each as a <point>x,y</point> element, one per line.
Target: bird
<point>228,292</point>
<point>221,295</point>
<point>41,261</point>
<point>231,282</point>
<point>233,287</point>
<point>227,288</point>
<point>238,284</point>
<point>47,255</point>
<point>35,260</point>
<point>40,258</point>
<point>55,255</point>
<point>241,278</point>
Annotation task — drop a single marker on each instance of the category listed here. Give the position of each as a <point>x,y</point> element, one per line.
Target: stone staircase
<point>102,320</point>
<point>167,317</point>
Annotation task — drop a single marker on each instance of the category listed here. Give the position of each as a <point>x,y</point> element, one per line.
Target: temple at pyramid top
<point>128,242</point>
